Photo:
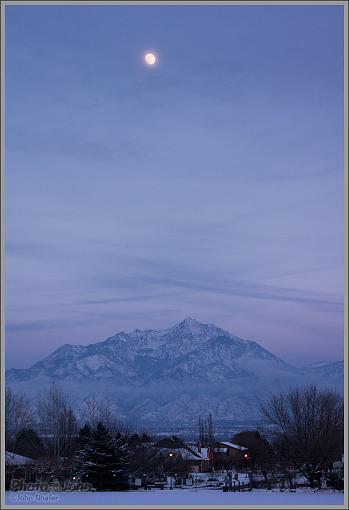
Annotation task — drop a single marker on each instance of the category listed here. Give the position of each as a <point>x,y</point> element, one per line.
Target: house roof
<point>17,460</point>
<point>198,455</point>
<point>185,452</point>
<point>189,454</point>
<point>203,451</point>
<point>232,445</point>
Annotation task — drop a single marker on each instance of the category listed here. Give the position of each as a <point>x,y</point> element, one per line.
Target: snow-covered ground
<point>178,497</point>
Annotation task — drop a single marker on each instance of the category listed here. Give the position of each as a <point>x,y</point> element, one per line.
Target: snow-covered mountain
<point>332,371</point>
<point>173,375</point>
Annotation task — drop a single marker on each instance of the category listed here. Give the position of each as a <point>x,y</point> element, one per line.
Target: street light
<point>171,455</point>
<point>247,459</point>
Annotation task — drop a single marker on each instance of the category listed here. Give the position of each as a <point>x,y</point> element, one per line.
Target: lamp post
<point>249,469</point>
<point>246,460</point>
<point>171,456</point>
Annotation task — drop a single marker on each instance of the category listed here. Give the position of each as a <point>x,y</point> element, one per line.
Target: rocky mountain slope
<point>174,375</point>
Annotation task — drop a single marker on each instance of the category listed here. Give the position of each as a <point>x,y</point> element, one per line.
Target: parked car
<point>213,482</point>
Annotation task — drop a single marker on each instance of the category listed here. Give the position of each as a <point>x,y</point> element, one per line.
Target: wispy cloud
<point>265,292</point>
<point>144,297</point>
<point>212,184</point>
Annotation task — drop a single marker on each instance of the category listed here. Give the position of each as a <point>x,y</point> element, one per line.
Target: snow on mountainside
<point>325,369</point>
<point>172,375</point>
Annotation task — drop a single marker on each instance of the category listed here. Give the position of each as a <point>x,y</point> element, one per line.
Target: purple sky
<point>210,186</point>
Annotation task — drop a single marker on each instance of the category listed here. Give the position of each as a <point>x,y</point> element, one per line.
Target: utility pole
<point>210,438</point>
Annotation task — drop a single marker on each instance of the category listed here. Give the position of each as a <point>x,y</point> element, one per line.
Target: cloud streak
<point>211,186</point>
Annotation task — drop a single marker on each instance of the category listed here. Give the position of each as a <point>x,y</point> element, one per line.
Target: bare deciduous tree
<point>18,415</point>
<point>206,431</point>
<point>309,428</point>
<point>206,436</point>
<point>100,411</point>
<point>58,419</point>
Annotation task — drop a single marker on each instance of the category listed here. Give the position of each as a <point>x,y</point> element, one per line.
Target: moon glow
<point>150,59</point>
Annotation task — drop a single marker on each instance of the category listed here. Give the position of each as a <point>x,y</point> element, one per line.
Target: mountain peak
<point>190,320</point>
<point>190,325</point>
<point>170,375</point>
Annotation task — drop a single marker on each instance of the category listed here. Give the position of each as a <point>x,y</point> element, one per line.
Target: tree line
<point>306,437</point>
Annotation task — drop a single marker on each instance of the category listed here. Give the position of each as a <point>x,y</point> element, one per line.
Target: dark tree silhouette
<point>57,418</point>
<point>260,452</point>
<point>310,430</point>
<point>18,415</point>
<point>29,444</point>
<point>101,459</point>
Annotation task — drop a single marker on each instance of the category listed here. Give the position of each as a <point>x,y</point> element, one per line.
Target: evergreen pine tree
<point>83,452</point>
<point>101,459</point>
<point>84,435</point>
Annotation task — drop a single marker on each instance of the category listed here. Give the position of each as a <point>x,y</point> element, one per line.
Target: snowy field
<point>178,497</point>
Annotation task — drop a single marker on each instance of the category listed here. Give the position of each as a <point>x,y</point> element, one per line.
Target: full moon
<point>150,59</point>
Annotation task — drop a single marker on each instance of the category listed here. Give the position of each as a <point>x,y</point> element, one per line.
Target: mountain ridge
<point>199,368</point>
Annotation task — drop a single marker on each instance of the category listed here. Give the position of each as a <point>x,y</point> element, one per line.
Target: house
<point>13,459</point>
<point>17,466</point>
<point>226,454</point>
<point>181,456</point>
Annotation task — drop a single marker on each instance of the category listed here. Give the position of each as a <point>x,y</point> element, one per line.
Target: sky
<point>209,185</point>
